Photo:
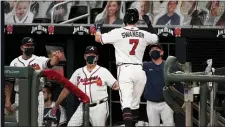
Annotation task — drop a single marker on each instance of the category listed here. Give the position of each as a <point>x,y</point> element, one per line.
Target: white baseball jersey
<point>129,42</point>
<point>38,62</point>
<point>93,83</point>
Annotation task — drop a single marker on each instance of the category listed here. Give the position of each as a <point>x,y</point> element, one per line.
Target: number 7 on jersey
<point>133,42</point>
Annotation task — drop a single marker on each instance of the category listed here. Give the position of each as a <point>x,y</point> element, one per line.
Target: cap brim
<point>158,46</point>
<point>91,52</point>
<point>29,43</point>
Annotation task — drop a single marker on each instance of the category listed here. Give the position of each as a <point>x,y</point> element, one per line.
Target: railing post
<point>213,113</point>
<point>188,98</point>
<point>53,9</point>
<point>89,12</point>
<point>86,115</point>
<point>24,100</point>
<point>203,105</point>
<point>34,99</point>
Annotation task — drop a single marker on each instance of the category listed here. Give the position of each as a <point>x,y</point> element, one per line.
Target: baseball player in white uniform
<point>60,119</point>
<point>130,43</point>
<point>93,80</point>
<point>38,63</point>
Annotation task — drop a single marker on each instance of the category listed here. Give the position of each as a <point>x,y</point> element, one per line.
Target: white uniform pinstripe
<point>36,62</point>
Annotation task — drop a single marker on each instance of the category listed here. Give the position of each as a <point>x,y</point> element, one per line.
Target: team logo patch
<point>92,30</point>
<point>177,32</point>
<point>80,30</point>
<point>9,29</point>
<point>51,30</point>
<point>89,81</point>
<point>99,82</point>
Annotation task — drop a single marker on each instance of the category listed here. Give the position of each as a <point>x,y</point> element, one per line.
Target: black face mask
<point>91,59</point>
<point>28,51</point>
<point>155,54</point>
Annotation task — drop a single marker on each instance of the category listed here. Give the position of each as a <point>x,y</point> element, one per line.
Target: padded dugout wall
<point>199,50</point>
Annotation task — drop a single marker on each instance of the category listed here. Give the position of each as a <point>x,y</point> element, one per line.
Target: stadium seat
<point>76,11</point>
<point>94,13</point>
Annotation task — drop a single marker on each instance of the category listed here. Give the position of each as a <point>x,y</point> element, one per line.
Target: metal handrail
<point>80,17</point>
<point>75,19</point>
<point>53,9</point>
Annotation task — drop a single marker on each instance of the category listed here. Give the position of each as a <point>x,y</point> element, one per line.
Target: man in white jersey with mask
<point>38,63</point>
<point>130,43</point>
<point>93,80</point>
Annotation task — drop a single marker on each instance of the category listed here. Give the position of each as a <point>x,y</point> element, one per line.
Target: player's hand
<point>8,106</point>
<point>57,53</point>
<point>98,25</point>
<point>54,110</point>
<point>116,86</point>
<point>146,19</point>
<point>56,57</point>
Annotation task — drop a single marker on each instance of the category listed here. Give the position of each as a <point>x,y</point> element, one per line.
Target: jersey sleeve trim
<point>47,65</point>
<point>101,40</point>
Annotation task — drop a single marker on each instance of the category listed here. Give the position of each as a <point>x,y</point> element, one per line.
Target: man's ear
<point>161,52</point>
<point>21,48</point>
<point>85,57</point>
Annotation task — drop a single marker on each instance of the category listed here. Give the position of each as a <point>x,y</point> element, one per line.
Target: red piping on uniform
<point>21,62</point>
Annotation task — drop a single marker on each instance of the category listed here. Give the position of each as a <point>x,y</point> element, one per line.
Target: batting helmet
<point>131,16</point>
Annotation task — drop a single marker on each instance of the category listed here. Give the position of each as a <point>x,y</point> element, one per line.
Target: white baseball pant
<point>97,115</point>
<point>132,80</point>
<point>156,110</point>
<point>40,108</point>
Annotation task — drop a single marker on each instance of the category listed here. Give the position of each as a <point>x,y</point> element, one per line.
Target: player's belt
<point>99,102</point>
<point>120,64</point>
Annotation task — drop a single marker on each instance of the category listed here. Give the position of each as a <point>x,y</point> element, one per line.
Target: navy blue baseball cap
<point>91,49</point>
<point>27,40</point>
<point>156,45</point>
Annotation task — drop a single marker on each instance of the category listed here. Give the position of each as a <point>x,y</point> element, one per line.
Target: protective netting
<point>199,50</point>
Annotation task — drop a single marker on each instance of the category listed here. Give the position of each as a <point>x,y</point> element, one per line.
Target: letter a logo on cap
<point>92,48</point>
<point>29,40</point>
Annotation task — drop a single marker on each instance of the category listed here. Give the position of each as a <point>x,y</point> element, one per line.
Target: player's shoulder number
<point>135,43</point>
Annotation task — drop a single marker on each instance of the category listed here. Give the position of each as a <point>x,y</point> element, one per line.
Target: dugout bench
<point>190,80</point>
<point>28,96</point>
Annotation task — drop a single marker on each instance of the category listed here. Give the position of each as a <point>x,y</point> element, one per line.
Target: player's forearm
<point>151,29</point>
<point>98,37</point>
<point>8,91</point>
<point>65,92</point>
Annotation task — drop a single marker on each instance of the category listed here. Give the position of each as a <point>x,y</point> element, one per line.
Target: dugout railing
<point>213,116</point>
<point>29,86</point>
<point>191,79</point>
